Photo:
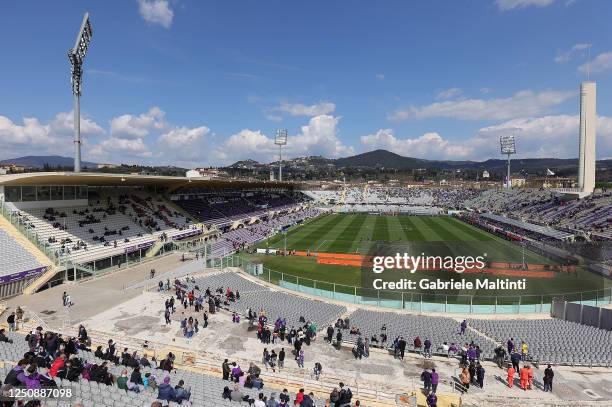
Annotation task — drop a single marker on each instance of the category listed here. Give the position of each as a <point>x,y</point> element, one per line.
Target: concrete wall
<point>588,123</point>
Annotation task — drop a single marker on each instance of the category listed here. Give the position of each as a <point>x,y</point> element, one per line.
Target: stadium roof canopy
<point>542,230</point>
<point>110,180</point>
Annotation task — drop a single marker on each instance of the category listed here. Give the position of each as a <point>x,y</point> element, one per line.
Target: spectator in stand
<point>236,395</point>
<point>427,348</point>
<point>432,400</point>
<point>11,322</point>
<point>524,350</point>
<point>463,327</point>
<point>299,397</point>
<point>464,377</point>
<point>271,402</point>
<point>401,344</point>
<point>435,379</point>
<point>58,364</point>
<point>30,378</point>
<point>166,391</point>
<point>181,392</point>
<point>426,379</point>
<point>122,380</point>
<point>548,378</point>
<point>3,337</point>
<point>480,373</point>
<point>284,397</point>
<point>308,400</point>
<point>515,358</point>
<point>346,395</point>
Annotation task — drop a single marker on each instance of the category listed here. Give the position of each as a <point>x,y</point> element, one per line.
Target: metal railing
<point>414,301</point>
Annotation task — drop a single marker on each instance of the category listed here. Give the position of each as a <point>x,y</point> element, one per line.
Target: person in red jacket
<point>524,376</point>
<point>529,377</point>
<point>511,373</point>
<point>57,364</point>
<point>299,397</point>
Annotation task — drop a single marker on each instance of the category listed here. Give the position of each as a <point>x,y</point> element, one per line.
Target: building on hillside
<point>13,168</point>
<point>106,165</point>
<point>206,173</point>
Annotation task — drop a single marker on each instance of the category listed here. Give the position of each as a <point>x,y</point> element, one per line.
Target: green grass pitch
<point>433,235</point>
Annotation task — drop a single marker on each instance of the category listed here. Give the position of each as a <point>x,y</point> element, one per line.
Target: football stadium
<point>445,284</point>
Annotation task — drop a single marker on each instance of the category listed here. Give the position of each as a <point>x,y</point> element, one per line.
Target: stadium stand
<point>590,215</point>
<point>104,228</point>
<point>424,201</point>
<point>94,389</point>
<point>545,232</point>
<point>115,224</point>
<point>240,238</point>
<point>437,329</point>
<point>553,341</point>
<point>276,304</point>
<point>15,258</point>
<point>224,208</point>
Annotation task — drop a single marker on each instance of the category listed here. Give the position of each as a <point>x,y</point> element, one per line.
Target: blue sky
<point>195,83</point>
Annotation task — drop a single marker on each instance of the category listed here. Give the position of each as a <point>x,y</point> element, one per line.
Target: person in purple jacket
<point>11,378</point>
<point>463,326</point>
<point>236,372</point>
<point>471,354</point>
<point>435,379</point>
<point>30,378</point>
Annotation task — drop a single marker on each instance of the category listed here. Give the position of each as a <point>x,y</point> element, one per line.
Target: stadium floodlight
<point>280,141</point>
<point>507,143</point>
<point>76,56</point>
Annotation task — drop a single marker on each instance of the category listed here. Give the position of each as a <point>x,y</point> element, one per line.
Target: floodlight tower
<point>508,147</point>
<point>280,141</point>
<point>76,56</point>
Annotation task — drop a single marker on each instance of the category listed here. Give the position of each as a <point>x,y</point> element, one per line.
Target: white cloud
<point>181,137</point>
<point>569,54</point>
<point>318,137</point>
<point>380,76</point>
<point>449,93</point>
<point>156,12</point>
<point>63,123</point>
<point>601,63</point>
<point>53,137</point>
<point>251,142</point>
<point>485,90</point>
<point>505,5</point>
<point>128,125</point>
<point>298,109</point>
<point>521,104</point>
<point>173,145</point>
<point>114,148</point>
<point>429,145</point>
<point>547,136</point>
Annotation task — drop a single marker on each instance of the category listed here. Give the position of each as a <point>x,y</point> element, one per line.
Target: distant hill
<point>246,164</point>
<point>386,159</point>
<point>381,158</point>
<point>39,161</point>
